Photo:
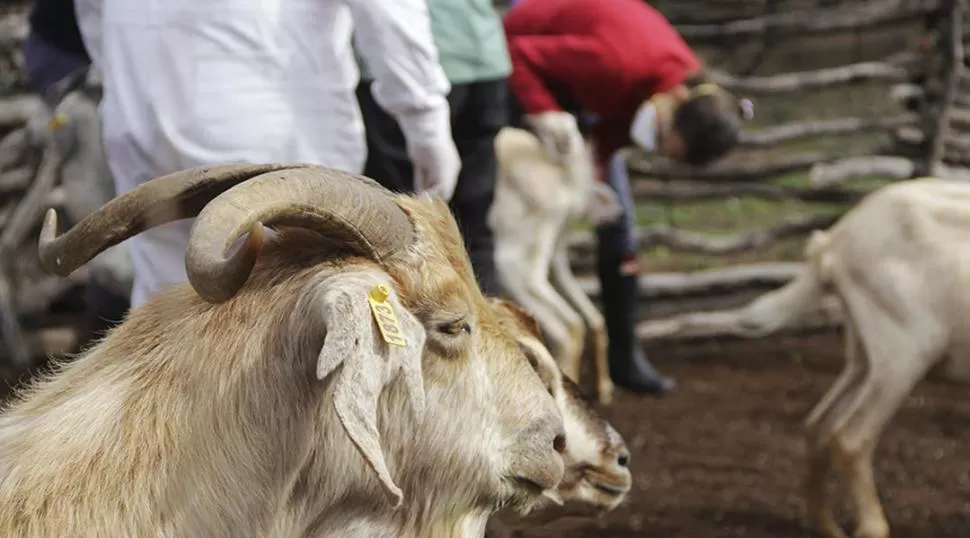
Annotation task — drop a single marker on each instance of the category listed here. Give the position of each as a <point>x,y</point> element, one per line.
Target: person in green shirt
<point>472,51</point>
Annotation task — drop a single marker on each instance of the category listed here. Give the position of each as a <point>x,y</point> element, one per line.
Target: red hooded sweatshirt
<point>607,55</point>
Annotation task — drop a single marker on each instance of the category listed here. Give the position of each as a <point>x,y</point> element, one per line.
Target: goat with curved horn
<point>168,198</point>
<point>351,207</point>
<point>361,361</point>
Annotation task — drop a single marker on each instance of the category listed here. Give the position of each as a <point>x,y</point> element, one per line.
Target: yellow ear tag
<point>58,121</point>
<point>385,317</point>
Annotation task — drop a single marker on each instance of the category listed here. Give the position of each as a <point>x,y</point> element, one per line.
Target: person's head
<point>696,122</point>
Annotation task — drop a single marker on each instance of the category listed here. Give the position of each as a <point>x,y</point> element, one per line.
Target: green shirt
<point>470,41</point>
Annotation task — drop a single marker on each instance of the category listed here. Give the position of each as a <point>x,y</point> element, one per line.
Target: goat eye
<point>455,327</point>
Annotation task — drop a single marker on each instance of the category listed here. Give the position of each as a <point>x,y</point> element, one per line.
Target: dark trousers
<point>46,63</point>
<point>478,111</point>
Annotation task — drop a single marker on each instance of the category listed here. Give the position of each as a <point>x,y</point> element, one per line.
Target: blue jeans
<point>623,233</point>
<point>46,64</point>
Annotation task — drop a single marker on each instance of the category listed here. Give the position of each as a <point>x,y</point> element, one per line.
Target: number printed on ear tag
<point>384,315</point>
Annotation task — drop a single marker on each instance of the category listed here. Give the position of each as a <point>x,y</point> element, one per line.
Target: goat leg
<point>817,509</point>
<point>604,383</point>
<point>30,209</point>
<point>818,429</point>
<point>862,485</point>
<point>24,217</point>
<point>570,352</point>
<point>510,258</point>
<point>16,180</point>
<point>852,374</point>
<point>13,149</point>
<point>548,236</point>
<point>563,278</point>
<point>897,358</point>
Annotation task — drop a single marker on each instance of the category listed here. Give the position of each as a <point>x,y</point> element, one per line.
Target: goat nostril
<point>623,459</point>
<point>559,443</point>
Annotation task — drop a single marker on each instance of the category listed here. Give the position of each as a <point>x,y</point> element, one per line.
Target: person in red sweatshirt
<point>622,62</point>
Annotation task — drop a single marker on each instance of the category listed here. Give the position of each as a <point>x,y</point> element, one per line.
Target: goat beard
<point>520,502</point>
<point>541,510</point>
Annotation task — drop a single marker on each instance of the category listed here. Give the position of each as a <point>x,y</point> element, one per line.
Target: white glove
<point>432,151</point>
<point>604,205</point>
<point>436,166</point>
<point>558,133</point>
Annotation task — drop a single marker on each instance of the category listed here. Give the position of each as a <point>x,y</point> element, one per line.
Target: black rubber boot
<point>629,367</point>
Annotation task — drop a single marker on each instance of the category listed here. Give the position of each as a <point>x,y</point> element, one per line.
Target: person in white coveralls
<point>195,82</point>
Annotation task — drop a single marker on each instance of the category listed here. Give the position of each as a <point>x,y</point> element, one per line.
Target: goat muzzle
<point>536,462</point>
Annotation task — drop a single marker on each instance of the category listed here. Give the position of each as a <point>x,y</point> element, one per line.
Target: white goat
<point>597,477</point>
<point>536,202</point>
<point>899,262</point>
<point>289,390</point>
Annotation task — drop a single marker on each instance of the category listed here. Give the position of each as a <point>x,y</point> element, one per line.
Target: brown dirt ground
<point>722,456</point>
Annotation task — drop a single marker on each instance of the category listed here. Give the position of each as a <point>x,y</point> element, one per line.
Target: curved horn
<point>355,208</point>
<point>161,200</point>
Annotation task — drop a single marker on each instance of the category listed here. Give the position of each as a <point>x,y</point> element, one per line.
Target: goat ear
<point>529,338</point>
<point>362,359</point>
<point>543,363</point>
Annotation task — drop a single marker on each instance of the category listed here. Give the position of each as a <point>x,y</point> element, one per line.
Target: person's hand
<point>603,206</point>
<point>558,133</point>
<point>436,166</point>
<point>431,149</point>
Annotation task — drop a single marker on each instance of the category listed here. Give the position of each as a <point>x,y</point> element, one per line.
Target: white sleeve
<point>88,13</point>
<point>394,38</point>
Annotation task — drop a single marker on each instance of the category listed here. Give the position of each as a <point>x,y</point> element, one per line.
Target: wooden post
<point>952,49</point>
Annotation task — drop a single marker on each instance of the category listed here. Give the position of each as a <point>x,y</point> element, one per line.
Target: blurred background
<point>849,95</point>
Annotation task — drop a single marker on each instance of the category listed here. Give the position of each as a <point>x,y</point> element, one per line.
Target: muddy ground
<point>722,456</point>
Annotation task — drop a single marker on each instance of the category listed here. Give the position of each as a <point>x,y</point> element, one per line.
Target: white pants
<point>158,254</point>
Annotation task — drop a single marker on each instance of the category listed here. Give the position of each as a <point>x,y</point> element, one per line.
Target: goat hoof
<point>872,529</point>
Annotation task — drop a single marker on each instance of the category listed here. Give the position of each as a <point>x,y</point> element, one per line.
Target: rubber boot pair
<point>629,367</point>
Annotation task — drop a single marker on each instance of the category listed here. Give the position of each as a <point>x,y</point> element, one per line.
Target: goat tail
<point>776,309</point>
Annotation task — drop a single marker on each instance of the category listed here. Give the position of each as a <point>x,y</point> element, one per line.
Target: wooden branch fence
<point>849,90</point>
